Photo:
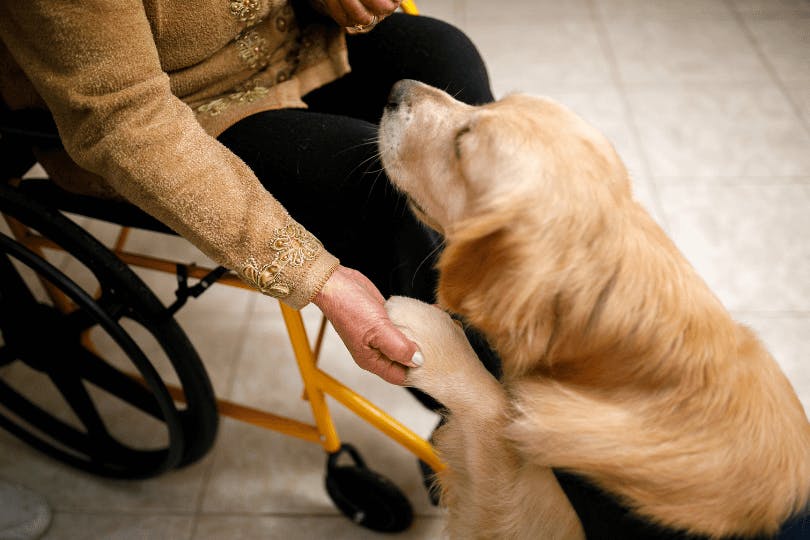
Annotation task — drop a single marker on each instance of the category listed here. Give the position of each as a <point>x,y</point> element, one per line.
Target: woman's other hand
<point>356,309</point>
<point>360,15</point>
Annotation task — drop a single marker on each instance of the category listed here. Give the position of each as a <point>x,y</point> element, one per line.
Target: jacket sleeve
<point>96,66</point>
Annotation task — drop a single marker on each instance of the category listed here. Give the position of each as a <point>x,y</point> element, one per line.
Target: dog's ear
<point>474,267</point>
<point>484,278</point>
<point>469,267</point>
<point>491,154</point>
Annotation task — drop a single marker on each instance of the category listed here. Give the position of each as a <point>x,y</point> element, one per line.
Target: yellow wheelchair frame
<point>317,383</point>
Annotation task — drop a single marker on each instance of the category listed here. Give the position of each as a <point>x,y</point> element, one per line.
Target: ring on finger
<point>363,28</point>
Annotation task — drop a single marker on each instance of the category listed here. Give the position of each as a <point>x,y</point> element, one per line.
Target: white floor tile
<point>661,8</point>
<point>524,12</point>
<point>69,490</point>
<point>785,43</point>
<point>759,9</point>
<point>799,93</point>
<point>73,526</point>
<point>682,49</point>
<point>533,56</point>
<point>288,527</point>
<point>450,11</point>
<point>722,131</point>
<point>748,242</point>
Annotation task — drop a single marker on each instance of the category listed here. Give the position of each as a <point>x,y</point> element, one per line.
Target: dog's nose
<point>399,93</point>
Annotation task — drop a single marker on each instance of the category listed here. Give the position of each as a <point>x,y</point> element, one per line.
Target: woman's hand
<point>356,309</point>
<point>360,15</point>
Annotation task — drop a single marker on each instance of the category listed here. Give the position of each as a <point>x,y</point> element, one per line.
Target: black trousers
<point>322,163</point>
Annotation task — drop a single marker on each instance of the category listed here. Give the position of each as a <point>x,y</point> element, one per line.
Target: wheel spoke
<point>76,395</point>
<point>7,356</point>
<point>42,420</point>
<point>97,371</point>
<point>14,292</point>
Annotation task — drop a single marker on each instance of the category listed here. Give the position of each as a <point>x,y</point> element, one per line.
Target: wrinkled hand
<point>351,13</point>
<point>356,310</point>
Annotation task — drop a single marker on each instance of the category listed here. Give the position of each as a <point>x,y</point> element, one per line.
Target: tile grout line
<point>775,314</point>
<point>208,472</point>
<point>734,181</point>
<point>615,75</point>
<point>775,78</point>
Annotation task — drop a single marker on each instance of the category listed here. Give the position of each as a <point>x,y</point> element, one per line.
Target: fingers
<point>387,370</point>
<point>394,345</point>
<point>351,13</point>
<point>381,8</point>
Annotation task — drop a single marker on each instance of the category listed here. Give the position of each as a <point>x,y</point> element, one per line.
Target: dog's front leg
<point>452,373</point>
<point>490,491</point>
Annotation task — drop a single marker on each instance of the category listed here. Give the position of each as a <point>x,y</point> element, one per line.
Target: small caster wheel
<point>365,497</point>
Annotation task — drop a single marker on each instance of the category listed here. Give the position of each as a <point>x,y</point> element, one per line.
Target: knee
<point>437,53</point>
<point>456,62</point>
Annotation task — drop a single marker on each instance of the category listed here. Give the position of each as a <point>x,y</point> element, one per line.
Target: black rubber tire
<point>366,497</point>
<point>191,429</point>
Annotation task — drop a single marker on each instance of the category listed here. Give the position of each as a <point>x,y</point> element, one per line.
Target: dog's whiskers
<point>433,251</point>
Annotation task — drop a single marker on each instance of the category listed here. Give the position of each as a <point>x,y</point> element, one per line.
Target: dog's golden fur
<point>619,363</point>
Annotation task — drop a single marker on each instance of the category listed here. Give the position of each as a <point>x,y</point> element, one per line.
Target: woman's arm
<point>96,66</point>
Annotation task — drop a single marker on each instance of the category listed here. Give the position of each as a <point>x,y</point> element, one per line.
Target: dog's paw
<point>450,367</point>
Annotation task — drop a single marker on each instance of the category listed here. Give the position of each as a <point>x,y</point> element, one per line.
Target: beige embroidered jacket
<point>140,88</point>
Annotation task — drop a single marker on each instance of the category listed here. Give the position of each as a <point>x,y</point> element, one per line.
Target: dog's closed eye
<point>457,141</point>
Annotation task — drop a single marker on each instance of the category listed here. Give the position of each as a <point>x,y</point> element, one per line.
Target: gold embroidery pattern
<point>293,246</point>
<point>267,278</point>
<point>245,11</point>
<point>253,49</point>
<point>219,105</point>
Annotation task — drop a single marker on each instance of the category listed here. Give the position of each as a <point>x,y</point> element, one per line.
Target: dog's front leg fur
<point>490,492</point>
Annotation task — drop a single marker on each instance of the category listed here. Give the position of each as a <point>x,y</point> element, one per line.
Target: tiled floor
<point>708,101</point>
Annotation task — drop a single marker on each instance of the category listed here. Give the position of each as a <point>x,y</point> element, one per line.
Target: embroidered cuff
<point>296,253</point>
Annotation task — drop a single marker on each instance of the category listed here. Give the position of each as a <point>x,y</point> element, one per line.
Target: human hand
<point>358,15</point>
<point>356,310</point>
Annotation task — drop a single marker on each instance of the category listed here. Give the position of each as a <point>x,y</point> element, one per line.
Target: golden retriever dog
<point>619,364</point>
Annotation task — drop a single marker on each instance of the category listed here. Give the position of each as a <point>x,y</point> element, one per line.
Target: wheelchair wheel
<point>366,497</point>
<point>45,350</point>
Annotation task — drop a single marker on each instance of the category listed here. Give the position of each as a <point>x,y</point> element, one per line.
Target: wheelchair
<point>51,319</point>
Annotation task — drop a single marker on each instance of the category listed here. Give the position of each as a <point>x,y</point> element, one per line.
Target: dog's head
<point>457,162</point>
<point>520,188</point>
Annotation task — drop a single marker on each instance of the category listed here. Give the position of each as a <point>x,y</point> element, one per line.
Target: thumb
<point>394,345</point>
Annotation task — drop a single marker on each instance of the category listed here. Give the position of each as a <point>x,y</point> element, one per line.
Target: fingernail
<point>417,359</point>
